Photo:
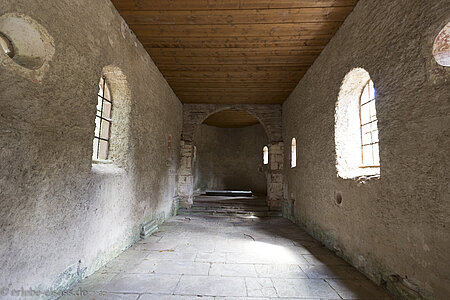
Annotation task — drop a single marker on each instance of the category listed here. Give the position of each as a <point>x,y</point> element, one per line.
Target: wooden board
<point>170,5</point>
<point>234,51</point>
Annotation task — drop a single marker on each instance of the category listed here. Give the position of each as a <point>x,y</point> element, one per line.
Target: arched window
<point>293,153</point>
<point>441,47</point>
<point>265,155</point>
<point>369,127</point>
<point>356,127</point>
<point>103,122</point>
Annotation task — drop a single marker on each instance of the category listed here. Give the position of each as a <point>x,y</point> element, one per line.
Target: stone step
<point>229,206</point>
<point>227,210</point>
<point>223,212</point>
<point>243,204</point>
<point>219,207</point>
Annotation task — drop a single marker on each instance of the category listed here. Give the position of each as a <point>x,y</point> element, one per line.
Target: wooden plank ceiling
<point>234,51</point>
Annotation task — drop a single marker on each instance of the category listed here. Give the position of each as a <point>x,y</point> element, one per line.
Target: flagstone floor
<point>213,257</point>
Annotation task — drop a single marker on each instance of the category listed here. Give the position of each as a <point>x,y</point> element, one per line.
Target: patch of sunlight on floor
<point>276,253</point>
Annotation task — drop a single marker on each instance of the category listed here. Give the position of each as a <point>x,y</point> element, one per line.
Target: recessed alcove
<point>441,46</point>
<point>26,46</point>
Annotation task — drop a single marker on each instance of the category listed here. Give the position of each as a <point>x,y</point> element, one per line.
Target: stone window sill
<point>101,161</point>
<point>106,167</point>
<point>366,179</point>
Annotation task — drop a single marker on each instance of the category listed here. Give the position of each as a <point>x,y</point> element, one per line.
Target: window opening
<point>293,153</point>
<point>103,122</point>
<point>369,127</point>
<point>265,155</point>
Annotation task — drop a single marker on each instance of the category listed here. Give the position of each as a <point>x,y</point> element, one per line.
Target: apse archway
<point>268,115</point>
<point>229,156</point>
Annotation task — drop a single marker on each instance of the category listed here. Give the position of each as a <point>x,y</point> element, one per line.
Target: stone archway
<point>268,115</point>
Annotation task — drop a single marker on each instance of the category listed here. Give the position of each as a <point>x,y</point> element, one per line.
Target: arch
<point>351,121</point>
<point>235,109</point>
<point>269,116</point>
<point>120,130</point>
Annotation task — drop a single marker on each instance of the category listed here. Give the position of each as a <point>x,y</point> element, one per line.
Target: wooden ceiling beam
<point>204,52</point>
<point>233,17</point>
<point>234,42</point>
<point>233,60</point>
<point>249,75</point>
<point>231,68</point>
<point>235,99</point>
<point>251,85</point>
<point>254,30</point>
<point>242,91</point>
<point>270,80</point>
<point>225,4</point>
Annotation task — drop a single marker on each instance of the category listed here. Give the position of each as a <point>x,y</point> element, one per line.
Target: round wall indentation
<point>26,45</point>
<point>441,47</point>
<point>338,198</point>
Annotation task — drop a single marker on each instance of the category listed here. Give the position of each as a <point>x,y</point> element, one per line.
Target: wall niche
<point>27,47</point>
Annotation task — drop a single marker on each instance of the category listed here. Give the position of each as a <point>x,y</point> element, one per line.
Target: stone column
<point>275,176</point>
<point>185,174</point>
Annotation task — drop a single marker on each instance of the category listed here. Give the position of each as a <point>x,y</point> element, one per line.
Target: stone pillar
<point>185,174</point>
<point>275,176</point>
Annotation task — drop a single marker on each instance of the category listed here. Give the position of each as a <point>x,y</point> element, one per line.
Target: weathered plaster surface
<point>395,229</point>
<point>230,158</point>
<point>60,216</point>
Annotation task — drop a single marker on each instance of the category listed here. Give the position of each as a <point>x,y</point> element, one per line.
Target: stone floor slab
<point>172,297</point>
<point>211,286</point>
<point>260,287</point>
<point>233,270</point>
<point>182,268</point>
<point>303,288</point>
<point>171,255</point>
<point>357,289</point>
<point>211,257</point>
<point>280,271</point>
<point>331,271</point>
<point>142,283</point>
<point>328,259</point>
<point>102,296</point>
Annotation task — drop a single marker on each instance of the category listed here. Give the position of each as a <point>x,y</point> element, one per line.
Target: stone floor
<point>222,257</point>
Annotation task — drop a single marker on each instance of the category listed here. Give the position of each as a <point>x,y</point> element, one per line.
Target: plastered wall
<point>395,229</point>
<point>230,158</point>
<point>61,217</point>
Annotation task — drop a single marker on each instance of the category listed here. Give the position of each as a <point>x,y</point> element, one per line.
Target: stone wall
<point>61,217</point>
<point>230,159</point>
<point>275,176</point>
<point>395,229</point>
<point>186,171</point>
